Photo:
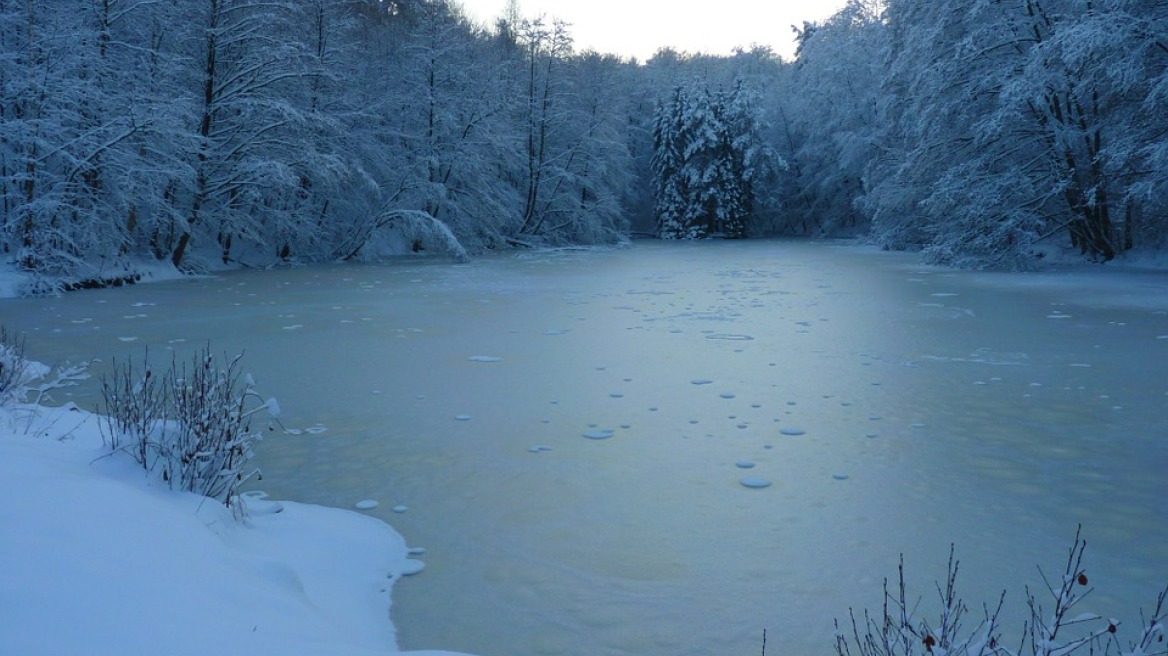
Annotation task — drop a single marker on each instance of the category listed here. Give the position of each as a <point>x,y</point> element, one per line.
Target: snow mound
<point>98,559</point>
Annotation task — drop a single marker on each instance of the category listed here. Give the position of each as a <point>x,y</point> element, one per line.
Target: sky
<point>637,28</point>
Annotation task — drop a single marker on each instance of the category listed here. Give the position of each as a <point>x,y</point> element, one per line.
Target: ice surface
<point>807,550</point>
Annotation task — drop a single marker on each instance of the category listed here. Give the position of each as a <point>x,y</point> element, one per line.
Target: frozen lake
<point>567,433</point>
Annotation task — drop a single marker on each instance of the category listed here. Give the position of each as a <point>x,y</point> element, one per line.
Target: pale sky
<point>639,27</point>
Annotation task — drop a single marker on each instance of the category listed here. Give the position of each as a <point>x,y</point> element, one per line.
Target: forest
<point>255,132</point>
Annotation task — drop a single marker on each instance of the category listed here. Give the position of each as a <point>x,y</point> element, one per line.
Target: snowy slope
<point>96,560</point>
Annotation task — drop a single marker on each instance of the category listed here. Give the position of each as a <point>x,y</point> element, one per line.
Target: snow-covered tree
<point>708,155</point>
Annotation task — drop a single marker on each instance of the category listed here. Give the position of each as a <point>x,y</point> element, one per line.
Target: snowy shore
<point>96,559</point>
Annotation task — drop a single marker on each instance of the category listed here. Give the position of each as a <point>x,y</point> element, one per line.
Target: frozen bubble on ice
<point>400,509</point>
<point>539,448</point>
<point>652,408</point>
<point>1081,365</point>
<point>616,395</point>
<point>943,295</point>
<point>462,417</point>
<point>979,382</point>
<point>315,430</point>
<point>756,405</point>
<point>365,504</point>
<point>599,434</point>
<point>701,381</point>
<point>742,424</point>
<point>416,551</point>
<point>127,339</point>
<point>792,431</point>
<point>744,464</point>
<point>626,426</point>
<point>872,436</point>
<point>840,476</point>
<point>556,331</point>
<point>693,421</point>
<point>917,425</point>
<point>727,395</point>
<point>790,403</point>
<point>484,358</point>
<point>295,326</point>
<point>754,482</point>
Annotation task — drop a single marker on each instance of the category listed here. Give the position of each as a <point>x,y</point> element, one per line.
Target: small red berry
<point>1082,579</point>
<point>1111,628</point>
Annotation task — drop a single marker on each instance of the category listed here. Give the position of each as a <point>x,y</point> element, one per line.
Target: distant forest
<point>254,132</point>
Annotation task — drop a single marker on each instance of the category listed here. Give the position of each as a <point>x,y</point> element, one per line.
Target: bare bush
<point>1060,633</point>
<point>12,365</point>
<point>192,427</point>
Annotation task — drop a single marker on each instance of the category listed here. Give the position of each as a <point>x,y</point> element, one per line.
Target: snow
<point>97,559</point>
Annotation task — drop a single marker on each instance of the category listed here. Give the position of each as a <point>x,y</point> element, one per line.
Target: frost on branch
<point>1057,632</point>
<point>191,426</point>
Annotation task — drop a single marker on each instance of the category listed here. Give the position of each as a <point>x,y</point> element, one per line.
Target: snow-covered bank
<point>97,560</point>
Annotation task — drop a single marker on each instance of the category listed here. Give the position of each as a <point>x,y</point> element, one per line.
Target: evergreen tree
<point>708,153</point>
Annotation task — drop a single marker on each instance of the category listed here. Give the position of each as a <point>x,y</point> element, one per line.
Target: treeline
<point>259,131</point>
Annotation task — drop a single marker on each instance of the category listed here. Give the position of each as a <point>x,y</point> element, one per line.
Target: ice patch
<point>730,337</point>
<point>727,395</point>
<point>484,358</point>
<point>365,504</point>
<point>400,509</point>
<point>462,417</point>
<point>839,476</point>
<point>744,464</point>
<point>599,434</point>
<point>754,483</point>
<point>557,331</point>
<point>792,431</point>
<point>701,381</point>
<point>410,567</point>
<point>127,339</point>
<point>295,326</point>
<point>616,395</point>
<point>539,448</point>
